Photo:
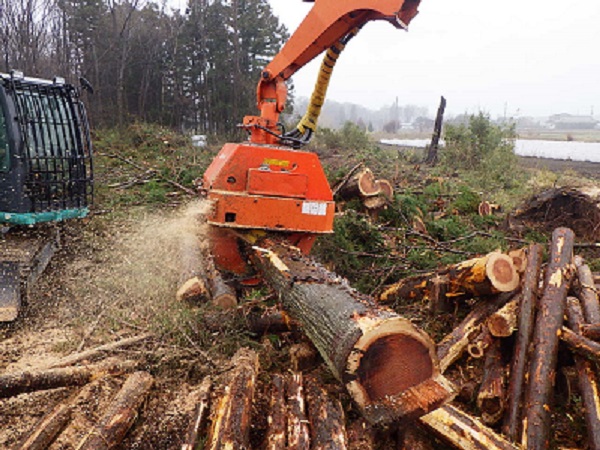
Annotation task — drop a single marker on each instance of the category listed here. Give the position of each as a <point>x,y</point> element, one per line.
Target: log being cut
<point>389,367</point>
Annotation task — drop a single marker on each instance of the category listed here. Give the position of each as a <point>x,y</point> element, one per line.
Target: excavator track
<point>24,255</point>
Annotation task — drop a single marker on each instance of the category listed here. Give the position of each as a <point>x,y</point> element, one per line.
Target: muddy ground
<point>115,277</point>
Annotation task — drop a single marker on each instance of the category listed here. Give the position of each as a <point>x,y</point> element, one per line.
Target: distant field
<point>545,135</point>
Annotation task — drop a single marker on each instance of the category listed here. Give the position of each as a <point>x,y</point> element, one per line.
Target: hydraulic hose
<point>308,124</point>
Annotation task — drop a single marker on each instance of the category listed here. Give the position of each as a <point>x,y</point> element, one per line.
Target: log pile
<point>545,325</point>
<point>114,421</point>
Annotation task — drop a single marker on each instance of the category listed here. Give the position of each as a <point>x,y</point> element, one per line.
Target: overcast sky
<point>528,57</point>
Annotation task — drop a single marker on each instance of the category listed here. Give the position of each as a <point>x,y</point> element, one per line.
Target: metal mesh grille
<point>57,146</point>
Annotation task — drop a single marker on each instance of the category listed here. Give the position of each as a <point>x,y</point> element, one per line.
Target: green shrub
<point>484,150</point>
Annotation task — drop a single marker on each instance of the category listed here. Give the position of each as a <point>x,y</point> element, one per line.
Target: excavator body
<point>45,177</point>
<point>267,185</point>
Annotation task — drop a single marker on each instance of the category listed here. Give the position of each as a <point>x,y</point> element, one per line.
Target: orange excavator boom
<point>264,185</point>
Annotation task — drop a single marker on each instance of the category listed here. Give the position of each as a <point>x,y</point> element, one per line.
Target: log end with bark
<point>393,372</point>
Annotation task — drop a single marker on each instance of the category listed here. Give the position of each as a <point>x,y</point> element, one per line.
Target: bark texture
<point>19,382</point>
<point>526,321</point>
<point>120,415</point>
<point>542,371</point>
<point>231,418</point>
<point>587,378</point>
<point>388,366</point>
<point>46,430</point>
<point>491,396</point>
<point>297,424</point>
<point>276,434</point>
<point>191,435</point>
<point>326,417</point>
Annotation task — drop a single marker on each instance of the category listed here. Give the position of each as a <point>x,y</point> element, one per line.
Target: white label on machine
<point>314,208</point>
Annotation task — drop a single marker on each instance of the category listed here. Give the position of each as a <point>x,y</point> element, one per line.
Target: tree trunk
<point>491,398</point>
<point>46,430</point>
<point>276,435</point>
<point>587,292</point>
<point>454,344</point>
<point>28,381</point>
<point>361,435</point>
<point>518,366</point>
<point>432,152</point>
<point>377,354</point>
<point>191,435</point>
<point>542,371</point>
<point>120,415</point>
<point>489,274</point>
<point>504,321</point>
<point>297,428</point>
<point>587,378</point>
<point>463,431</point>
<point>326,418</point>
<point>231,418</point>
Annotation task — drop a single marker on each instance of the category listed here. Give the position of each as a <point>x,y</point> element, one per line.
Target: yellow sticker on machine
<point>276,162</point>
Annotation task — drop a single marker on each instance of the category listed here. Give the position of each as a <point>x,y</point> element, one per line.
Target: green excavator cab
<point>45,152</point>
<point>45,177</point>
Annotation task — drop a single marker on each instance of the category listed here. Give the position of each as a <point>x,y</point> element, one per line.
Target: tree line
<point>194,70</point>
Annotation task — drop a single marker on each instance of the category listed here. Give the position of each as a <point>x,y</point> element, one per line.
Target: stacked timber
<point>517,335</point>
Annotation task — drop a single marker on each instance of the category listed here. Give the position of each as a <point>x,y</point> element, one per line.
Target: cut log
<point>591,331</point>
<point>491,396</point>
<point>191,435</point>
<point>587,292</point>
<point>490,274</point>
<point>454,344</point>
<point>46,430</point>
<point>386,188</point>
<point>464,431</point>
<point>28,381</point>
<point>588,380</point>
<point>100,350</point>
<point>223,294</point>
<point>526,319</point>
<point>375,202</point>
<point>478,347</point>
<point>504,321</point>
<point>581,345</point>
<point>231,417</point>
<point>191,277</point>
<point>519,257</point>
<point>326,419</point>
<point>120,415</point>
<point>297,425</point>
<point>542,370</point>
<point>388,366</point>
<point>361,184</point>
<point>276,434</point>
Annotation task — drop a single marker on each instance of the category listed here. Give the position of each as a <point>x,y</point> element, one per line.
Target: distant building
<point>571,122</point>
